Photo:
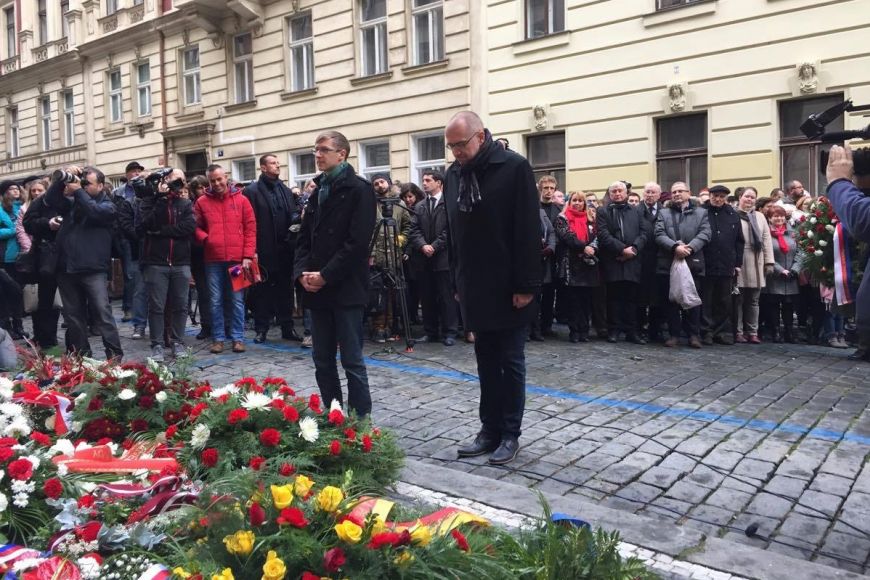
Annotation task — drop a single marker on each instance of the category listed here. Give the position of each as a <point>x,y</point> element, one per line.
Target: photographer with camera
<point>278,217</point>
<point>84,246</point>
<point>165,226</point>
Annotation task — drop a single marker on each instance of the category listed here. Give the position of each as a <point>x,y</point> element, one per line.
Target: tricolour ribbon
<point>60,404</point>
<point>156,572</point>
<point>842,266</point>
<point>11,553</point>
<point>440,522</point>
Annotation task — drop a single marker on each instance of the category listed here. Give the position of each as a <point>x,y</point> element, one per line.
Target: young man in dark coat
<point>550,283</point>
<point>723,258</point>
<point>276,212</point>
<point>622,235</point>
<point>495,235</point>
<point>332,265</point>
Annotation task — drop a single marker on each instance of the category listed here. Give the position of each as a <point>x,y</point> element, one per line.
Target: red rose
<point>6,454</point>
<point>41,438</point>
<point>171,431</point>
<point>52,488</point>
<point>89,531</point>
<point>86,501</point>
<point>334,559</point>
<point>138,425</point>
<point>270,437</point>
<point>335,447</point>
<point>336,417</point>
<point>310,576</point>
<point>256,462</point>
<point>209,457</point>
<point>292,517</point>
<point>290,413</point>
<point>286,470</point>
<point>350,434</point>
<point>461,541</point>
<point>256,514</point>
<point>378,541</point>
<point>314,403</point>
<point>367,443</point>
<point>20,469</point>
<point>237,416</point>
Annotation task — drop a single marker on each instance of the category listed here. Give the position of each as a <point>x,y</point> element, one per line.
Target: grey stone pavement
<point>716,440</point>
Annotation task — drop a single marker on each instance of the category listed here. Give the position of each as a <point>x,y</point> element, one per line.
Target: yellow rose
<point>274,568</point>
<point>349,532</point>
<point>329,498</point>
<point>241,543</point>
<point>282,495</point>
<point>403,558</point>
<point>379,526</point>
<point>420,535</point>
<point>302,485</point>
<point>181,572</point>
<point>226,574</point>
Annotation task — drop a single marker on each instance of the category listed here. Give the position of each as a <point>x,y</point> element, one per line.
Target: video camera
<point>387,204</point>
<point>145,187</point>
<point>814,128</point>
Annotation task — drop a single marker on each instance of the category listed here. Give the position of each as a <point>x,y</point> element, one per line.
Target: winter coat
<point>25,241</point>
<point>334,240</point>
<point>620,226</point>
<point>225,226</point>
<point>36,219</point>
<point>429,228</point>
<point>548,250</point>
<point>402,216</point>
<point>776,283</point>
<point>84,240</point>
<point>124,231</point>
<point>569,256</point>
<point>8,240</point>
<point>166,226</point>
<point>496,247</point>
<point>752,273</point>
<point>853,208</point>
<point>724,252</point>
<point>689,225</point>
<point>275,243</point>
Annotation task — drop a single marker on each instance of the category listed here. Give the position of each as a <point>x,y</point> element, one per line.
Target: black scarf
<point>469,189</point>
<point>616,210</point>
<point>754,234</point>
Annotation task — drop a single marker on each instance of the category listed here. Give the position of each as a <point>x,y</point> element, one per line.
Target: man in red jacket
<point>226,227</point>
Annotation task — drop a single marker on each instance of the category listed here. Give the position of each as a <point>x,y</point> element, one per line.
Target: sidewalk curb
<point>653,534</point>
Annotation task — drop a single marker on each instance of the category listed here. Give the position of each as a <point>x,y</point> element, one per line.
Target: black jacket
<point>430,227</point>
<point>495,249</point>
<point>123,231</point>
<point>166,226</point>
<point>275,243</point>
<point>334,240</point>
<point>84,240</point>
<point>36,219</point>
<point>571,267</point>
<point>619,226</point>
<point>724,251</point>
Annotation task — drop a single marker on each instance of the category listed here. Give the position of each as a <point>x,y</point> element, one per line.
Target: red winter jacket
<point>225,226</point>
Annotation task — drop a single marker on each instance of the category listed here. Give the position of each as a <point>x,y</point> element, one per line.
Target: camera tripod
<point>392,273</point>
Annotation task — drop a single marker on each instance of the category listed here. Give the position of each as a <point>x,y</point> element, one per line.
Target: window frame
<point>799,141</point>
<point>381,42</point>
<point>686,154</point>
<point>194,73</point>
<point>111,7</point>
<point>419,165</point>
<point>679,4</point>
<point>236,169</point>
<point>142,88</point>
<point>367,170</point>
<point>307,48</point>
<point>248,61</point>
<point>13,133</point>
<point>64,22</point>
<point>44,129</point>
<point>115,94</point>
<point>428,10</point>
<point>11,28</point>
<point>298,178</point>
<point>42,22</point>
<point>557,170</point>
<point>69,117</point>
<point>551,23</point>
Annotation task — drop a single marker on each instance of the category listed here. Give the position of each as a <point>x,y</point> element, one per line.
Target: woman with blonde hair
<point>577,262</point>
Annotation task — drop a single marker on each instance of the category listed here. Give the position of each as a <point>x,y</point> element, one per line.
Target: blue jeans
<point>342,327</point>
<point>501,366</point>
<point>218,284</point>
<point>834,324</point>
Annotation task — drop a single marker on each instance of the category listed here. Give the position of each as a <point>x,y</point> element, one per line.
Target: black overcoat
<point>274,248</point>
<point>619,226</point>
<point>724,251</point>
<point>430,228</point>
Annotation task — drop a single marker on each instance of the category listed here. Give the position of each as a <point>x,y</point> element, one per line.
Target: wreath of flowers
<point>815,239</point>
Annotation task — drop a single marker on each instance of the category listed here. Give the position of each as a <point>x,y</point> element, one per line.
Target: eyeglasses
<point>460,144</point>
<point>323,150</point>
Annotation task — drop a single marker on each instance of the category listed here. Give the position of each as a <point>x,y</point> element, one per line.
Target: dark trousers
<point>273,298</point>
<point>342,327</point>
<point>776,306</point>
<point>599,308</point>
<point>13,296</point>
<point>501,366</point>
<point>412,293</point>
<point>622,307</point>
<point>203,301</point>
<point>46,315</point>
<point>679,319</point>
<point>811,308</point>
<point>548,300</point>
<point>79,292</point>
<point>717,309</point>
<point>128,269</point>
<point>578,307</point>
<point>167,285</point>
<point>439,305</point>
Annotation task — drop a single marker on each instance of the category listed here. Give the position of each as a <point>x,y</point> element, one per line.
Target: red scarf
<point>780,233</point>
<point>578,224</point>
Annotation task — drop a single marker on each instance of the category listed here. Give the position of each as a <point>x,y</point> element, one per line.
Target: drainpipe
<point>163,115</point>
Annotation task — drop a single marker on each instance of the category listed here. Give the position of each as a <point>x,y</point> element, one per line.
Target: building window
<point>544,17</point>
<point>44,105</point>
<point>64,23</point>
<point>682,151</point>
<point>69,118</point>
<point>12,131</point>
<point>111,7</point>
<point>190,76</point>
<point>373,36</point>
<point>428,17</point>
<point>547,156</point>
<point>243,67</point>
<point>665,4</point>
<point>302,168</point>
<point>374,158</point>
<point>42,21</point>
<point>301,43</point>
<point>799,158</point>
<point>138,2</point>
<point>143,89</point>
<point>116,99</point>
<point>11,37</point>
<point>428,153</point>
<point>244,170</point>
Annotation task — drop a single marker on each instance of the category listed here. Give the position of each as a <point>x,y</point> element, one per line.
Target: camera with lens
<point>387,204</point>
<point>64,176</point>
<point>814,128</point>
<point>145,187</point>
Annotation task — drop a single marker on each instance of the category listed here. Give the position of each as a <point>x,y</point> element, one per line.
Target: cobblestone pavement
<point>716,439</point>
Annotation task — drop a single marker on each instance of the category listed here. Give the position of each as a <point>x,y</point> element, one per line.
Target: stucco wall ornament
<point>676,96</point>
<point>808,77</point>
<point>540,115</point>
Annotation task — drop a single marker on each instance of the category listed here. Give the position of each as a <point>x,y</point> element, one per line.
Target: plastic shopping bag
<point>683,290</point>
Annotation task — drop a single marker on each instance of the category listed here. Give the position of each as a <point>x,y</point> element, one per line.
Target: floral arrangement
<point>815,240</point>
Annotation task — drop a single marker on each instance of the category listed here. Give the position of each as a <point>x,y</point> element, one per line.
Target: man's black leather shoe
<point>506,452</point>
<point>860,354</point>
<point>448,341</point>
<point>260,338</point>
<point>291,335</point>
<point>482,444</point>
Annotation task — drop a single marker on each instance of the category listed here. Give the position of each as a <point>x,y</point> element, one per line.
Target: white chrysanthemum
<point>89,568</point>
<point>230,389</point>
<point>17,428</point>
<point>335,406</point>
<point>308,429</point>
<point>161,396</point>
<point>256,401</point>
<point>6,388</point>
<point>17,486</point>
<point>818,252</point>
<point>27,564</point>
<point>62,470</point>
<point>34,460</point>
<point>810,234</point>
<point>823,243</point>
<point>120,373</point>
<point>127,394</point>
<point>199,436</point>
<point>11,410</point>
<point>88,487</point>
<point>4,502</point>
<point>21,500</point>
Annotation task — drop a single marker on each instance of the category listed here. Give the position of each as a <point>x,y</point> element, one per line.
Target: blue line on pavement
<point>647,408</point>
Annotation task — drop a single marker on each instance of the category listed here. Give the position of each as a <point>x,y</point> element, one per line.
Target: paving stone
<point>661,476</point>
<point>687,491</point>
<point>833,484</point>
<point>848,547</point>
<point>816,502</point>
<point>729,498</point>
<point>807,528</point>
<point>788,486</point>
<point>755,468</point>
<point>769,505</point>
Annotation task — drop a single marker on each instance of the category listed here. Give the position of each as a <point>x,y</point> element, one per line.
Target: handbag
<point>25,263</point>
<point>47,258</point>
